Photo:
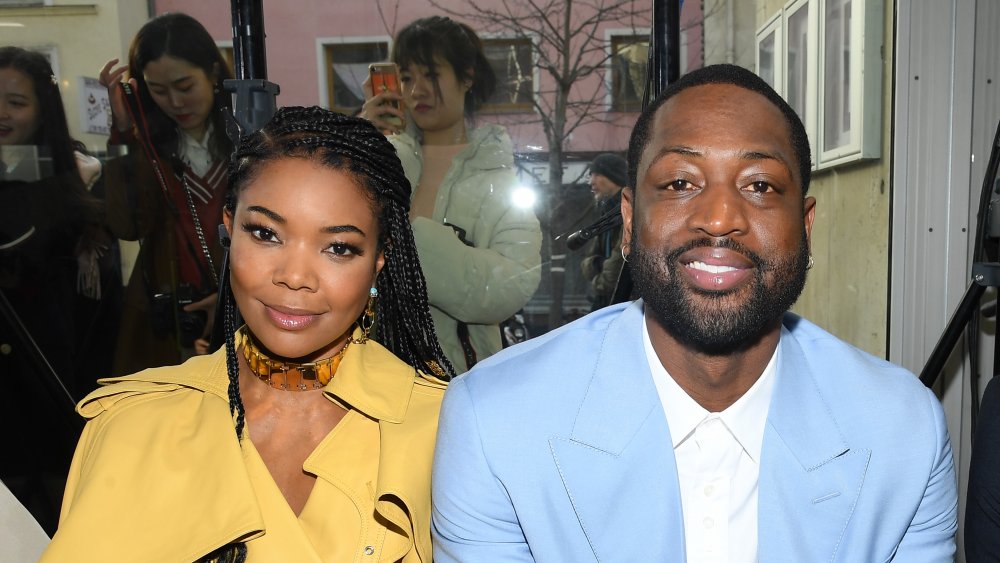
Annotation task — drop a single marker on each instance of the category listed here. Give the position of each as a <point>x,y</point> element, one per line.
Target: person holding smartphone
<point>168,191</point>
<point>479,251</point>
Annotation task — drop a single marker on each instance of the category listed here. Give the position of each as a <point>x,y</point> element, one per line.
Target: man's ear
<point>627,212</point>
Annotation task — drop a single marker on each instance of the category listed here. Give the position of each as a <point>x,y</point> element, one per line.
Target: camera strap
<point>198,229</point>
<point>138,116</point>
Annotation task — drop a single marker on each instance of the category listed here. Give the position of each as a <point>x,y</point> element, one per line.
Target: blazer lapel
<point>618,465</point>
<point>810,477</point>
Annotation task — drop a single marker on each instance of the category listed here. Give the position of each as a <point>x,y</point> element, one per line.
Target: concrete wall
<point>847,291</point>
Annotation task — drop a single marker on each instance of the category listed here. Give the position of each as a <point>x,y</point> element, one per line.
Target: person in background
<point>479,251</point>
<point>168,191</point>
<point>309,437</point>
<point>603,263</point>
<point>702,422</point>
<point>59,275</point>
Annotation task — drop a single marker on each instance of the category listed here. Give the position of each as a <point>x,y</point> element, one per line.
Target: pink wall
<point>292,28</point>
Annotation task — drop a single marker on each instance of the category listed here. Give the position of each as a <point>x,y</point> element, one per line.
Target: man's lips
<point>715,268</point>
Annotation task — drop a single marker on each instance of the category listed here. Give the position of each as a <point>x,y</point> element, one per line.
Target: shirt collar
<point>745,418</point>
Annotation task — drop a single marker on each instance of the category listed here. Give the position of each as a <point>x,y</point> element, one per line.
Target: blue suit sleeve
<point>473,518</point>
<point>931,534</point>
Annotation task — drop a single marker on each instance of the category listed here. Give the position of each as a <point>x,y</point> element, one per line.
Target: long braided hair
<point>351,145</point>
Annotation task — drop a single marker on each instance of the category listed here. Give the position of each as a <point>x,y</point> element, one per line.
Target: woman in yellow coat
<point>309,437</point>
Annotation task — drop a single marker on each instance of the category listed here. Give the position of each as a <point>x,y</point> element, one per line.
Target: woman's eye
<point>261,233</point>
<point>342,249</point>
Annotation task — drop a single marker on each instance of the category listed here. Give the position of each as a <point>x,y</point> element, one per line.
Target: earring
<point>367,319</point>
<point>624,256</point>
<point>810,263</point>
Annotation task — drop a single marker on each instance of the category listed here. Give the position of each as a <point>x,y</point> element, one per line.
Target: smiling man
<point>702,422</point>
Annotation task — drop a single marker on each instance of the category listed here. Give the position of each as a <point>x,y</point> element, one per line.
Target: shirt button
<point>369,550</point>
<point>709,523</point>
<point>709,490</point>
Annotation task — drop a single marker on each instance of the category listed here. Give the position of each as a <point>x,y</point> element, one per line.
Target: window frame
<point>509,108</point>
<point>865,91</point>
<point>324,63</point>
<point>609,64</point>
<point>772,28</point>
<point>810,117</point>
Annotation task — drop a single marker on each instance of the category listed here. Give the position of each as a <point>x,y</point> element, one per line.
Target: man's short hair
<point>720,74</point>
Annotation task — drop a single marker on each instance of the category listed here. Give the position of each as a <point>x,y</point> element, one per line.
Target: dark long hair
<point>354,146</point>
<point>182,37</point>
<point>457,43</point>
<point>53,134</point>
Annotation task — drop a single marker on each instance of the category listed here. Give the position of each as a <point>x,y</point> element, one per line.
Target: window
<point>345,66</point>
<point>851,67</point>
<point>830,73</point>
<point>226,48</point>
<point>628,71</point>
<point>768,50</point>
<point>511,59</point>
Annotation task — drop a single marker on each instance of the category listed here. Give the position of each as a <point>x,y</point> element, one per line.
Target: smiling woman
<point>333,389</point>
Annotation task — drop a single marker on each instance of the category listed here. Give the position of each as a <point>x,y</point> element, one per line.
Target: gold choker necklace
<point>288,376</point>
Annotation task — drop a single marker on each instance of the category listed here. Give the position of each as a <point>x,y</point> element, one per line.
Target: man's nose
<point>720,210</point>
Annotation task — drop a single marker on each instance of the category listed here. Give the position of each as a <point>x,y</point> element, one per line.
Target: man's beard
<point>718,322</point>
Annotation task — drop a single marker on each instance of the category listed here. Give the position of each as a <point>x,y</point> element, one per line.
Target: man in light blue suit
<point>703,422</point>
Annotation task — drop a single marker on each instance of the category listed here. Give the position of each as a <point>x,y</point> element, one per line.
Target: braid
<point>355,146</point>
<point>233,366</point>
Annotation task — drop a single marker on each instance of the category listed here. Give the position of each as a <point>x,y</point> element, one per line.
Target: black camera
<point>168,313</point>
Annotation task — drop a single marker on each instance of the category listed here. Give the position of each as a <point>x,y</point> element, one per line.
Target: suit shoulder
<point>562,357</point>
<point>843,369</point>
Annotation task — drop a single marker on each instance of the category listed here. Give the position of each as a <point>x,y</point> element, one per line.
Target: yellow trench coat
<point>158,474</point>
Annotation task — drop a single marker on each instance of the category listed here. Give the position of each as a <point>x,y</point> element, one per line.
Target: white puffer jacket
<point>491,275</point>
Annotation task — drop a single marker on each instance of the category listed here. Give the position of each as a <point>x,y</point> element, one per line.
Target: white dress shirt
<point>718,464</point>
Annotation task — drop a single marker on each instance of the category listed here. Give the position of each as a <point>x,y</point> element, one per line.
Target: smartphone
<point>385,78</point>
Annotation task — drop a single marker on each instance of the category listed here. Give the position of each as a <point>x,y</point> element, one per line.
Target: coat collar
<point>617,464</point>
<point>370,379</point>
<point>620,435</point>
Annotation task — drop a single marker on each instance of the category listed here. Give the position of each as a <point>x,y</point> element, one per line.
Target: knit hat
<point>612,167</point>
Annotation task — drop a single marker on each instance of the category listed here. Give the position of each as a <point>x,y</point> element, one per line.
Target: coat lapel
<point>618,465</point>
<point>810,477</point>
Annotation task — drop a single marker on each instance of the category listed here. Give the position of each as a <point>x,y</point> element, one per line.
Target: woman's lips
<point>289,318</point>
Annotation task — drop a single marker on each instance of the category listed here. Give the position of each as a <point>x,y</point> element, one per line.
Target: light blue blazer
<point>558,450</point>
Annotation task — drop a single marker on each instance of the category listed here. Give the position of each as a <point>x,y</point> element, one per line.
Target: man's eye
<point>760,187</point>
<point>679,185</point>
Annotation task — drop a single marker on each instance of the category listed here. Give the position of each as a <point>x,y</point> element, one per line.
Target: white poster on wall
<point>95,109</point>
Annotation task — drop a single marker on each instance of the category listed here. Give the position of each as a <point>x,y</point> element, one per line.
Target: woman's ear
<point>226,228</point>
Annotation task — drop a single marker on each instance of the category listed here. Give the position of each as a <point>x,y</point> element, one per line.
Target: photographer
<point>603,263</point>
<point>169,190</point>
